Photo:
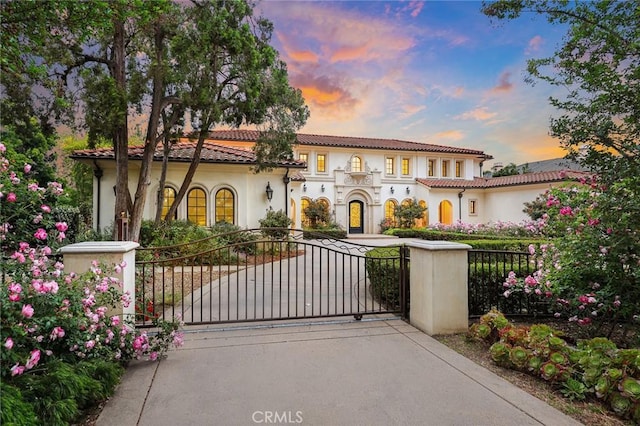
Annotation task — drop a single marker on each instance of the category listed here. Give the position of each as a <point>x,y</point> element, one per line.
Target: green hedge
<point>383,269</point>
<point>509,244</point>
<point>320,233</point>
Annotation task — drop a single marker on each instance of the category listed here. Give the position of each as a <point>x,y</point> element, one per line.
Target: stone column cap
<point>438,245</point>
<point>99,247</point>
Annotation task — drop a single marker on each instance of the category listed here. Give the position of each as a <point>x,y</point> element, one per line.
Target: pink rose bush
<point>50,318</point>
<point>590,271</point>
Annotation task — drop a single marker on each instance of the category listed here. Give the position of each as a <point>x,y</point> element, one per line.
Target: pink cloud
<point>409,110</point>
<point>534,45</point>
<point>504,85</point>
<point>478,114</point>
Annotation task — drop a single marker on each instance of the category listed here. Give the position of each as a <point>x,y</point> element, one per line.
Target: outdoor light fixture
<point>322,188</point>
<point>408,190</point>
<point>304,187</point>
<point>269,191</point>
<point>392,190</point>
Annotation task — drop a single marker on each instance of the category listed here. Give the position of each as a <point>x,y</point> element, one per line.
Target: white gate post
<point>438,293</point>
<point>78,257</point>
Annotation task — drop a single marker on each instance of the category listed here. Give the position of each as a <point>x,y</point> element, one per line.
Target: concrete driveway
<point>378,371</point>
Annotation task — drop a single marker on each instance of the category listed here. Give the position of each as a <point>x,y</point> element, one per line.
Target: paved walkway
<point>370,372</point>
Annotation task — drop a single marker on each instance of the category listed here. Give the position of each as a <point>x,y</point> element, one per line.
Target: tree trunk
<point>163,176</point>
<point>121,132</point>
<point>195,161</point>
<point>144,178</point>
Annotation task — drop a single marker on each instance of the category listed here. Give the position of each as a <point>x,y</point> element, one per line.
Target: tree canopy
<point>598,65</point>
<point>98,66</point>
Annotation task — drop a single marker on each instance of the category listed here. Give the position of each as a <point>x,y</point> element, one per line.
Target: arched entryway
<point>356,217</point>
<point>446,212</point>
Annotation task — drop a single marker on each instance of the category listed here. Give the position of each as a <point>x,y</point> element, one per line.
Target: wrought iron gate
<point>269,274</point>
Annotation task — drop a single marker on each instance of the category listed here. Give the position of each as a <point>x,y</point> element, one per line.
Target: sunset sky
<point>427,71</point>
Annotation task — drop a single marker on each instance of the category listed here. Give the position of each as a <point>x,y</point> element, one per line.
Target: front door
<point>356,217</point>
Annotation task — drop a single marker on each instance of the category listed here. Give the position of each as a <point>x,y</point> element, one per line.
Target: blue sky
<point>428,71</point>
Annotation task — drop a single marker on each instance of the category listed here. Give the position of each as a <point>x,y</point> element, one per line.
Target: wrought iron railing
<point>488,270</point>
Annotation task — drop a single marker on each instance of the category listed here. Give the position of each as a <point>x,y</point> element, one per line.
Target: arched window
<point>390,212</point>
<point>356,164</point>
<point>445,212</point>
<point>424,220</point>
<point>167,201</point>
<point>304,203</point>
<point>225,206</point>
<point>197,206</point>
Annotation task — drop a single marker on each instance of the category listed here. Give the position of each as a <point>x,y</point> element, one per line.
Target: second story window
<point>390,166</point>
<point>405,167</point>
<point>458,168</point>
<point>445,168</point>
<point>431,164</point>
<point>321,163</point>
<point>356,164</point>
<point>303,156</point>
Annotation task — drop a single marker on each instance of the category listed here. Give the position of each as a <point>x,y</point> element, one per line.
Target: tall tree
<point>103,61</point>
<point>599,66</point>
<point>239,80</point>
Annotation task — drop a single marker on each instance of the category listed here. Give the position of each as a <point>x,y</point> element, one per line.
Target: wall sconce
<point>304,187</point>
<point>392,190</point>
<point>408,190</point>
<point>269,191</point>
<point>322,188</point>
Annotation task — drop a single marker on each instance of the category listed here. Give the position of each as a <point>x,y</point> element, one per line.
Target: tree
<point>508,170</point>
<point>599,65</point>
<point>103,61</point>
<point>318,213</point>
<point>240,80</point>
<point>407,213</point>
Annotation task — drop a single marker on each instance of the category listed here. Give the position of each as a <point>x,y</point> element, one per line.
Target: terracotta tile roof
<point>348,142</point>
<point>497,182</point>
<point>183,152</point>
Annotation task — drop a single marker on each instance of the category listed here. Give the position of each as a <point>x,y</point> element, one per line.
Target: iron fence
<point>257,275</point>
<point>488,270</point>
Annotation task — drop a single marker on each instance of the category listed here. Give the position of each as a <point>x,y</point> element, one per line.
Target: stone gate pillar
<point>78,257</point>
<point>438,293</point>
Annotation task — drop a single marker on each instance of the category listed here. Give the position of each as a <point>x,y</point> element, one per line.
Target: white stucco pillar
<point>78,258</point>
<point>439,295</point>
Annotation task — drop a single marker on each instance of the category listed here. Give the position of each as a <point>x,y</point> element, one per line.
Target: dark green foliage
<point>407,213</point>
<point>508,170</point>
<point>383,270</point>
<point>596,368</point>
<point>507,244</point>
<point>318,213</point>
<point>59,391</point>
<point>74,219</point>
<point>14,409</point>
<point>335,232</point>
<point>275,224</point>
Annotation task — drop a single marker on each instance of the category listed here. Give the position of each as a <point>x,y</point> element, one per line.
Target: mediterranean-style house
<point>361,180</point>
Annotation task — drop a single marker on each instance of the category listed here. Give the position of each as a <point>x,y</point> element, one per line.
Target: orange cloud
<point>478,114</point>
<point>504,85</point>
<point>448,135</point>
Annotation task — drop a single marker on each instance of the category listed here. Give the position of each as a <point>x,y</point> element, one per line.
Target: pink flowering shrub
<point>49,316</point>
<point>530,228</point>
<point>591,272</point>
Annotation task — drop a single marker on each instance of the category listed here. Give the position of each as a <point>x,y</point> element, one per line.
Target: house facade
<point>361,180</point>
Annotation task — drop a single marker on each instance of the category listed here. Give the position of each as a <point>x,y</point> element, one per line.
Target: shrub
<point>596,368</point>
<point>383,270</point>
<point>275,224</point>
<point>52,323</point>
<point>318,213</point>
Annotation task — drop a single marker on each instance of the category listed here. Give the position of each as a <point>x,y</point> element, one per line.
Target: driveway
<point>378,371</point>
